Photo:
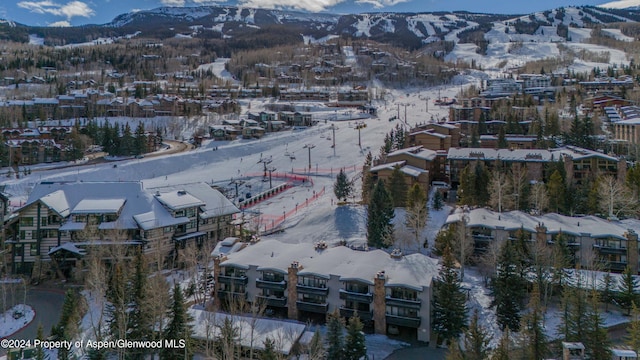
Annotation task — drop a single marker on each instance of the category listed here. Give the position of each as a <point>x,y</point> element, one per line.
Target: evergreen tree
<point>534,340</point>
<point>342,188</point>
<point>438,201</point>
<point>39,355</point>
<point>140,143</point>
<point>397,188</point>
<point>117,298</point>
<point>574,306</point>
<point>502,139</point>
<point>556,191</point>
<point>355,347</point>
<point>607,295</point>
<point>178,328</point>
<point>269,352</point>
<point>335,339</point>
<point>627,285</point>
<point>482,124</point>
<point>140,322</point>
<point>508,288</point>
<point>379,216</point>
<point>367,178</point>
<point>448,307</point>
<point>476,340</point>
<point>67,327</point>
<point>597,338</point>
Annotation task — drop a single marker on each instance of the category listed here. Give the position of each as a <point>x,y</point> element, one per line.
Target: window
<point>43,221</point>
<point>234,272</point>
<point>272,276</point>
<point>402,311</point>
<point>168,229</point>
<point>312,281</point>
<point>179,213</point>
<point>356,287</point>
<point>192,224</point>
<point>402,293</point>
<point>34,250</point>
<point>310,298</point>
<point>273,293</point>
<point>26,221</point>
<point>355,305</point>
<point>190,212</point>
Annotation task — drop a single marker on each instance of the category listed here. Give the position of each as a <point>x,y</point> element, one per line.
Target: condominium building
<point>61,222</point>
<point>612,244</point>
<point>391,293</point>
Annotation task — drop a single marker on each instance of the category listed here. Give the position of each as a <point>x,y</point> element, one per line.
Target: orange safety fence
<point>268,223</point>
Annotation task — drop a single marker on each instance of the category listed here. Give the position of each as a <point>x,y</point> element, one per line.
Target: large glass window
<point>402,293</point>
<point>402,311</point>
<point>26,221</point>
<point>313,281</point>
<point>310,298</point>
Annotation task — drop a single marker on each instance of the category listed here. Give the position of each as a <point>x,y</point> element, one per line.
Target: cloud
<point>173,2</point>
<point>309,5</point>
<point>381,3</point>
<point>62,23</point>
<point>68,10</point>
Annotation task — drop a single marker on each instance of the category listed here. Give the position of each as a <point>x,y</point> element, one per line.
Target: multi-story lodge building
<point>612,244</point>
<point>63,221</point>
<point>391,293</point>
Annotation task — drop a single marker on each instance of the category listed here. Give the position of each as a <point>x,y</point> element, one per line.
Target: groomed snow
<point>10,322</point>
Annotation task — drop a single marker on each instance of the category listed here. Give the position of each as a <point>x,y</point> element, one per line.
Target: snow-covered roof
<point>57,202</point>
<point>98,206</point>
<point>215,203</point>
<point>414,271</point>
<point>68,246</point>
<point>389,166</point>
<point>413,171</point>
<point>594,226</point>
<point>417,152</point>
<point>228,246</point>
<point>624,353</point>
<point>253,332</point>
<point>178,199</point>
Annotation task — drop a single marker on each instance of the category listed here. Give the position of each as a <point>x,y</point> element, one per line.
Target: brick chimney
<point>632,250</point>
<point>292,290</point>
<point>379,303</point>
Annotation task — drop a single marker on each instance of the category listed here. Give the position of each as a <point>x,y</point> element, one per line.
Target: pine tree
<point>367,178</point>
<point>556,191</point>
<point>178,327</point>
<point>140,140</point>
<point>448,307</point>
<point>502,139</point>
<point>597,338</point>
<point>627,290</point>
<point>335,339</point>
<point>117,297</point>
<point>573,322</point>
<point>476,340</point>
<point>534,339</point>
<point>342,188</point>
<point>140,323</point>
<point>39,350</point>
<point>508,288</point>
<point>354,346</point>
<point>67,327</point>
<point>438,201</point>
<point>269,352</point>
<point>379,216</point>
<point>397,188</point>
<point>607,295</point>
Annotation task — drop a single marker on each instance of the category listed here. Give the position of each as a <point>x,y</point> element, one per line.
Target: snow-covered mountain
<point>409,30</point>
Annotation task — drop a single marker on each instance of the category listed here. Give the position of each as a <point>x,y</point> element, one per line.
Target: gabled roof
<point>178,199</point>
<point>214,202</point>
<point>98,206</point>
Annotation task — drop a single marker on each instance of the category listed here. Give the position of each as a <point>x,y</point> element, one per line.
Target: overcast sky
<point>79,12</point>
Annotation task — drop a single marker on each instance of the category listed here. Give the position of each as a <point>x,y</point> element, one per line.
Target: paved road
<point>48,305</point>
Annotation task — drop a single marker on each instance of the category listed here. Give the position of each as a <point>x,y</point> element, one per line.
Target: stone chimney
<point>216,272</point>
<point>292,290</point>
<point>379,303</point>
<point>632,250</point>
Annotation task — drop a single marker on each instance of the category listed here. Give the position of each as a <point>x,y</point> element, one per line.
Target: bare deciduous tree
<point>539,199</point>
<point>498,188</point>
<point>615,197</point>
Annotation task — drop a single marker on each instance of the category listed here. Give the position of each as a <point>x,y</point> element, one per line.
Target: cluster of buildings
<point>61,222</point>
<point>612,244</point>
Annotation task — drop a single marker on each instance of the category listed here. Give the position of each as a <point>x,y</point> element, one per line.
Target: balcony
<point>614,265</point>
<point>410,322</point>
<point>303,289</point>
<point>409,304</point>
<point>232,296</point>
<point>354,296</point>
<point>272,285</point>
<point>233,280</point>
<point>272,301</point>
<point>363,315</point>
<point>320,308</point>
<point>606,249</point>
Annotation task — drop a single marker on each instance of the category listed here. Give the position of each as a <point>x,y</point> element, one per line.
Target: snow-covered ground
<point>15,319</point>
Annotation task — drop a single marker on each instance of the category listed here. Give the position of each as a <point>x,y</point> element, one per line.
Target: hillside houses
<point>61,222</point>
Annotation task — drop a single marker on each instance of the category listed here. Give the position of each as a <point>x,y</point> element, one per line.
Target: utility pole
<point>265,162</point>
<point>309,147</point>
<point>358,127</point>
<point>271,169</point>
<point>334,128</point>
<point>236,182</point>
